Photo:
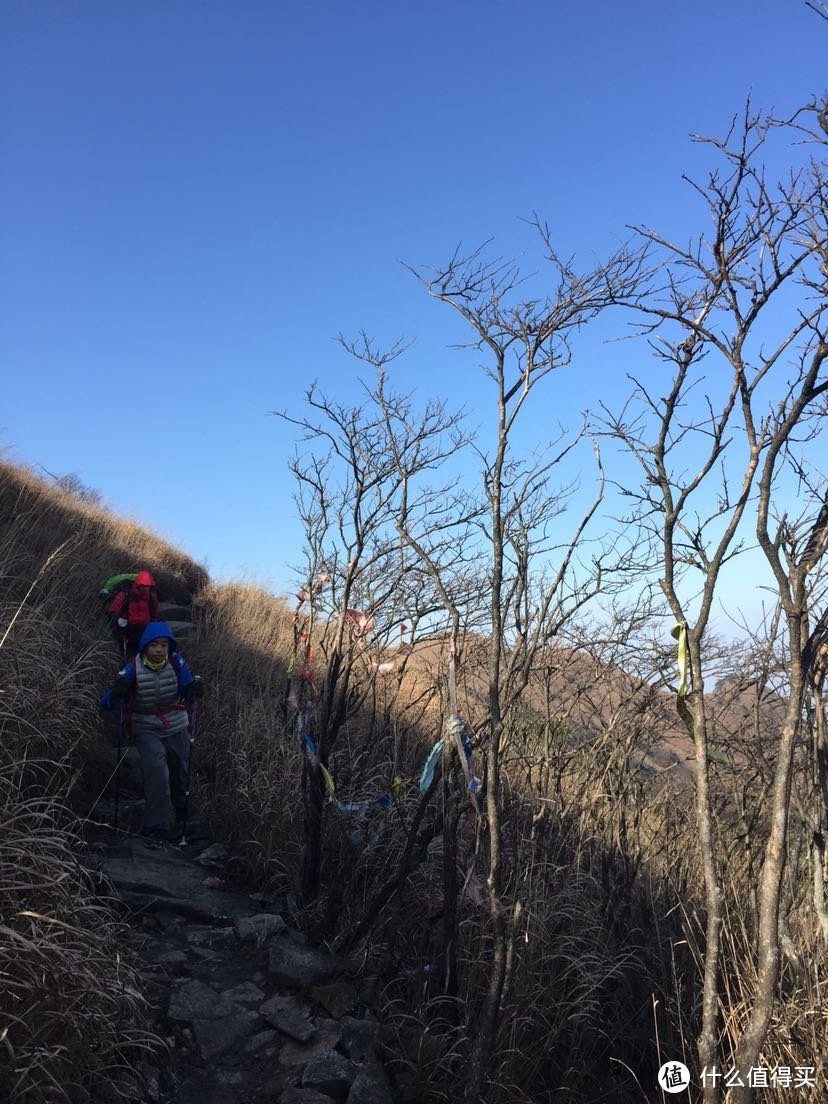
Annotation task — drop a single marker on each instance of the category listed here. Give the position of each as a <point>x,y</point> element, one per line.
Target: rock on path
<point>253,1014</point>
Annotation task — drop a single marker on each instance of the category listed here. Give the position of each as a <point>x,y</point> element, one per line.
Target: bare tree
<point>360,579</point>
<point>738,320</point>
<point>535,577</point>
<point>816,790</point>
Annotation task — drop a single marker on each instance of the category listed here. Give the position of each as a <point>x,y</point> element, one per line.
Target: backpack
<point>122,584</point>
<point>115,583</point>
<point>129,700</point>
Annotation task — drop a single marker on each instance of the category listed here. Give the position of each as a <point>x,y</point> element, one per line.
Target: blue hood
<point>153,630</point>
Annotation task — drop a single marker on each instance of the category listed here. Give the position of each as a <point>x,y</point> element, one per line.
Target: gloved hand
<point>119,687</point>
<point>194,690</point>
<point>454,726</point>
<point>122,622</point>
<point>103,594</point>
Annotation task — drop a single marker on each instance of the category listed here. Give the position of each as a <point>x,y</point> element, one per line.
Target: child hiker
<point>155,689</point>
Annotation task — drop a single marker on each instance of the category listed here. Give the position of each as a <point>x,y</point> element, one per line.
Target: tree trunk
<point>312,854</point>
<point>754,1034</point>
<point>696,720</point>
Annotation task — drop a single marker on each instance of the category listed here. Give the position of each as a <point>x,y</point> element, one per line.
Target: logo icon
<point>674,1077</point>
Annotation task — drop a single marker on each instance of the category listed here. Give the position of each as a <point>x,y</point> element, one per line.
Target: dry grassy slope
<point>587,698</point>
<point>55,552</point>
<point>37,519</point>
<point>58,938</point>
<point>240,621</point>
<point>247,764</point>
<point>59,654</point>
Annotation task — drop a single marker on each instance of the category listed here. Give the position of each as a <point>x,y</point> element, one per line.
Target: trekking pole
<point>193,719</point>
<point>118,761</point>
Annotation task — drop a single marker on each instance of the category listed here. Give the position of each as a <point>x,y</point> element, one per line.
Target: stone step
<point>171,611</point>
<point>181,630</point>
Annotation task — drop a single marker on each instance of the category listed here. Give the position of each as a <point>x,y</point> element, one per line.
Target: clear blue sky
<point>197,197</point>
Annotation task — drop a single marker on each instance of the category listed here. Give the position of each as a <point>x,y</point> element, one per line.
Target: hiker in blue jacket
<point>156,690</point>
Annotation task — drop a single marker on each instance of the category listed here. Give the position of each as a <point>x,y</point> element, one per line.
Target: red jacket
<point>138,605</point>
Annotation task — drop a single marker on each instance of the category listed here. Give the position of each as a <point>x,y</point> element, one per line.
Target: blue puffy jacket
<point>154,629</point>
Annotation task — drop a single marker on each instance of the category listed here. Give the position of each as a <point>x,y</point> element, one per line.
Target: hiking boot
<point>154,841</point>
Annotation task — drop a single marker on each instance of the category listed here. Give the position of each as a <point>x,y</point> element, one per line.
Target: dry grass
<point>602,880</point>
<point>73,1016</point>
<point>72,1025</point>
<point>38,518</point>
<point>589,942</point>
<point>248,763</point>
<point>591,947</point>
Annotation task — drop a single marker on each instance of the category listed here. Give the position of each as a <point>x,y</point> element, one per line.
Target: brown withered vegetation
<point>601,865</point>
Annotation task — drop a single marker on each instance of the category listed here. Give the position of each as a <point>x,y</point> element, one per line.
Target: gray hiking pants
<point>164,761</point>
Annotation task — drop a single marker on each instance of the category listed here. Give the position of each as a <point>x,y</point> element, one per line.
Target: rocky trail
<point>250,1012</point>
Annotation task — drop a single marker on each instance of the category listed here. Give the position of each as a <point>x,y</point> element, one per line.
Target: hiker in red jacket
<point>131,610</point>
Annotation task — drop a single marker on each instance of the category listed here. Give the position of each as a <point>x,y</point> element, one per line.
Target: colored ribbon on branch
<point>359,621</point>
<point>430,765</point>
<point>679,634</point>
<point>457,730</point>
<point>308,593</point>
<point>313,756</point>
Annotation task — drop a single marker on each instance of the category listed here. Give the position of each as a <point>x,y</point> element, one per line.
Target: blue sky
<point>197,197</point>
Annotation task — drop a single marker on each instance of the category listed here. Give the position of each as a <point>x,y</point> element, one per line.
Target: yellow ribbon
<point>329,782</point>
<point>679,633</point>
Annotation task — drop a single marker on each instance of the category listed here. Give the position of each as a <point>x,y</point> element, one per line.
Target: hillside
<point>60,939</point>
<point>598,844</point>
<point>56,655</point>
